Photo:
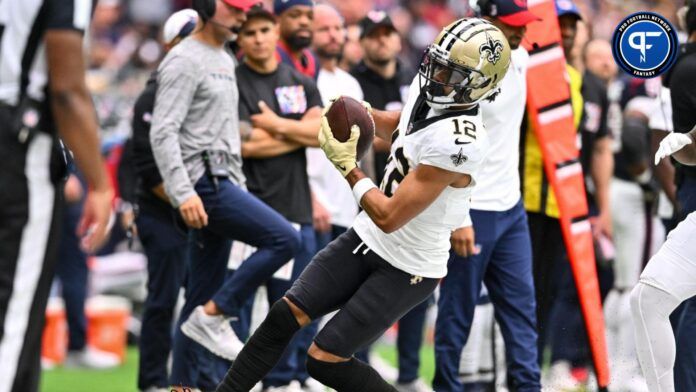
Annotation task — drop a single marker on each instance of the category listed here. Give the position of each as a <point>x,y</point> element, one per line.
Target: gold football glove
<point>342,155</point>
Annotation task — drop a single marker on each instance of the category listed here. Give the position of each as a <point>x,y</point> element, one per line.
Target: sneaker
<point>214,333</point>
<point>91,358</point>
<point>312,385</point>
<point>560,378</point>
<point>294,386</point>
<point>417,385</point>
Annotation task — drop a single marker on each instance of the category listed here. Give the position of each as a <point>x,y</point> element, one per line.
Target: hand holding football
<point>346,112</point>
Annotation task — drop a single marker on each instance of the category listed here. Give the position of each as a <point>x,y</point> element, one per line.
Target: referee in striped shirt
<point>42,96</point>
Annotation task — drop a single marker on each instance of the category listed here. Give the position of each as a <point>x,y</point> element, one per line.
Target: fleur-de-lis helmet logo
<point>492,49</point>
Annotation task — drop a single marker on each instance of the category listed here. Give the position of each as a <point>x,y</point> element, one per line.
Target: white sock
<point>655,343</point>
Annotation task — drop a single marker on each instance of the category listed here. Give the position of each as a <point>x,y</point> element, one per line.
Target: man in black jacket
<point>162,237</point>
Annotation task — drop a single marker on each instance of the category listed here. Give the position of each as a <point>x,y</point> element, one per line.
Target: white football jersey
<point>454,141</point>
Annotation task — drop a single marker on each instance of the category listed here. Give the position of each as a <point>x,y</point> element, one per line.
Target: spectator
<point>282,106</point>
<point>295,24</point>
<point>196,144</point>
<point>329,188</point>
<point>382,77</point>
<point>352,51</point>
<point>164,240</point>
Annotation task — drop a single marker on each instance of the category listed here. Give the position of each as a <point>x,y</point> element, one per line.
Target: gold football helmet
<point>465,64</point>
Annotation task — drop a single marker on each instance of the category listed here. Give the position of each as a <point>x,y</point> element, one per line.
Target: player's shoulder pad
<point>455,143</point>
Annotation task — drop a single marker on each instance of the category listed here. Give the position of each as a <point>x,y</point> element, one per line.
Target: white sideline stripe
<point>580,227</point>
<point>30,261</point>
<point>544,57</point>
<point>555,114</point>
<point>567,171</point>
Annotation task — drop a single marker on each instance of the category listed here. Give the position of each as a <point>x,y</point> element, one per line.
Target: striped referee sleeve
<point>69,14</point>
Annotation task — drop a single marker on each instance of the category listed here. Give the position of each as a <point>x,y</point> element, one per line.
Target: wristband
<point>362,187</point>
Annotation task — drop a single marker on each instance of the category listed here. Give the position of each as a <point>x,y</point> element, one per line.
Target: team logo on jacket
<point>459,158</point>
<point>645,44</point>
<point>492,49</point>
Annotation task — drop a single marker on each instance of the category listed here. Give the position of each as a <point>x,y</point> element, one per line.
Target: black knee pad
<point>280,320</point>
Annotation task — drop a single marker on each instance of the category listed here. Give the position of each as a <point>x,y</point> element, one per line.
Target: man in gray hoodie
<point>195,139</point>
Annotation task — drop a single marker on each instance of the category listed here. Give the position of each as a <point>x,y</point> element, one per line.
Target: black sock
<point>263,350</point>
<point>351,376</point>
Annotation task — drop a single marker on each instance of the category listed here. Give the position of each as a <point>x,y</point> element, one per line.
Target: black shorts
<point>370,293</point>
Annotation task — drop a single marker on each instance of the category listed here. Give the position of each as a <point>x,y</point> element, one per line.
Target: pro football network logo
<point>645,44</point>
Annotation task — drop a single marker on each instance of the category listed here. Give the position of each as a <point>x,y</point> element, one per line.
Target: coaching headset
<point>205,8</point>
<point>206,12</point>
<point>487,8</point>
<point>483,8</point>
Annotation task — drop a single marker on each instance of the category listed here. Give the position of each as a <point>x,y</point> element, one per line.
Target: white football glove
<point>342,155</point>
<point>671,144</point>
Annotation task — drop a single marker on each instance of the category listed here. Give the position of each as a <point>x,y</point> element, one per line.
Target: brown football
<point>343,114</point>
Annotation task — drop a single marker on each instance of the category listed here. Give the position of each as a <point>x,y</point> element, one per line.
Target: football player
<point>397,251</point>
<point>668,280</point>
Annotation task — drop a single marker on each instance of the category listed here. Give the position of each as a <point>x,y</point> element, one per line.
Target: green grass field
<point>123,379</point>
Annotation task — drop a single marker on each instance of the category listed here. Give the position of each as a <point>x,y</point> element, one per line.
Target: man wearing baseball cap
<point>495,248</point>
<point>568,17</point>
<point>295,19</point>
<point>510,16</point>
<point>178,26</point>
<point>196,142</point>
<point>382,77</point>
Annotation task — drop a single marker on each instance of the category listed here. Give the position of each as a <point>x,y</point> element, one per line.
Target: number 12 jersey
<point>453,140</point>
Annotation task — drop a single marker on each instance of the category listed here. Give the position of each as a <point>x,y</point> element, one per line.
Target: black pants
<point>28,248</point>
<point>548,255</point>
<point>166,250</point>
<point>371,293</point>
